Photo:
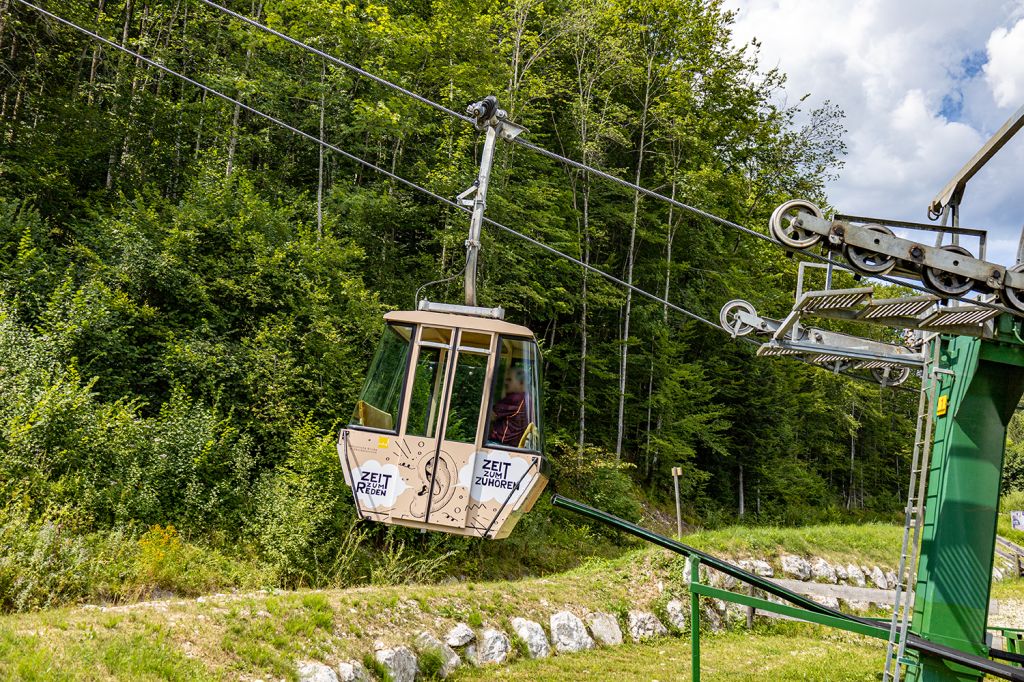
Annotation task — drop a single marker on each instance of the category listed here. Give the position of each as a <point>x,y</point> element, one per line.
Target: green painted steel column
<point>958,538</point>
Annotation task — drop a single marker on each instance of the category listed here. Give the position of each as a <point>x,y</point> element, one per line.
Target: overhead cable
<point>725,222</point>
<point>334,60</point>
<point>409,183</point>
<point>393,176</point>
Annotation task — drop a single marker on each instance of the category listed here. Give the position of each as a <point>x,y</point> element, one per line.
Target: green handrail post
<point>694,619</point>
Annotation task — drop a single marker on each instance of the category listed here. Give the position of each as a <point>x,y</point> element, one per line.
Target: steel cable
<point>725,222</point>
<point>409,183</point>
<point>334,60</point>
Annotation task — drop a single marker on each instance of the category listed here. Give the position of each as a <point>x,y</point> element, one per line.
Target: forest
<point>190,294</point>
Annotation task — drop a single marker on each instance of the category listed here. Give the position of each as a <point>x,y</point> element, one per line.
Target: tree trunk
<point>670,237</point>
<point>96,52</point>
<point>650,393</point>
<point>742,508</point>
<point>320,158</point>
<point>112,157</point>
<point>630,257</point>
<point>236,115</point>
<point>851,499</point>
<point>583,312</point>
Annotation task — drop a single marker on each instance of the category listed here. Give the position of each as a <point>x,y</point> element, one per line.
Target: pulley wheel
<point>729,317</point>
<point>784,228</point>
<point>870,262</point>
<point>890,376</point>
<point>1013,298</point>
<point>948,283</point>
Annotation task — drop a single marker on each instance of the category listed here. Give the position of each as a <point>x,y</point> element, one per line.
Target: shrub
<point>593,475</point>
<point>43,561</point>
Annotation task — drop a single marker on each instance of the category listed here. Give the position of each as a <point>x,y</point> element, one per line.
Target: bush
<point>303,522</point>
<point>593,475</point>
<point>43,561</point>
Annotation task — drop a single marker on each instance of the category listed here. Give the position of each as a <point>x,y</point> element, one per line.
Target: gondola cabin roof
<point>483,324</point>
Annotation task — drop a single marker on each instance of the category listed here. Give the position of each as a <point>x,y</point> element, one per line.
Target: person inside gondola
<point>509,416</point>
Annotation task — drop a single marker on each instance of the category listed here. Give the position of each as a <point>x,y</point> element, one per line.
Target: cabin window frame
<point>411,344</point>
<point>496,359</point>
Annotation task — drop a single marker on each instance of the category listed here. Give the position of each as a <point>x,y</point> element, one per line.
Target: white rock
<point>841,572</point>
<point>859,606</point>
<point>829,602</point>
<point>856,575</point>
<point>353,671</point>
<point>678,614</point>
<point>460,635</point>
<point>723,580</point>
<point>494,647</point>
<point>400,663</point>
<point>642,625</point>
<point>796,567</point>
<point>878,578</point>
<point>711,617</point>
<point>605,628</point>
<point>311,671</point>
<point>890,577</point>
<point>762,568</point>
<point>568,633</point>
<point>997,573</point>
<point>426,641</point>
<point>823,571</point>
<point>533,635</point>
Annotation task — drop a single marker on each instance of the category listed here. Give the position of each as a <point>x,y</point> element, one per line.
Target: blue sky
<point>923,85</point>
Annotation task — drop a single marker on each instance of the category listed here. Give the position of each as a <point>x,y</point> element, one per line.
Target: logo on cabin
<point>494,476</point>
<point>378,485</point>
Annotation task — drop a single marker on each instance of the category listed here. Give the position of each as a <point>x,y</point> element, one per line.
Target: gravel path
<point>1011,614</point>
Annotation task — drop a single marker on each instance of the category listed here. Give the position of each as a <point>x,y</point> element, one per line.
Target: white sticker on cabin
<point>378,485</point>
<point>494,475</point>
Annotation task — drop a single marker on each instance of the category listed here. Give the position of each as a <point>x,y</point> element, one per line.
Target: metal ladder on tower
<point>914,511</point>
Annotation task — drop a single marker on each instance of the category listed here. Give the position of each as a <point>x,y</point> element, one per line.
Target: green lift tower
<point>969,353</point>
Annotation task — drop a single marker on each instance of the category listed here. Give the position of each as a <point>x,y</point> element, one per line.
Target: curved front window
<point>514,419</point>
<point>381,398</point>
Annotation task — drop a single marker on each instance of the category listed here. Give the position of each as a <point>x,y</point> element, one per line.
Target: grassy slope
<point>258,635</point>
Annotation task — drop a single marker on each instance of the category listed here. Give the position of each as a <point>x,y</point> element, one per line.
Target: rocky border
<point>566,632</point>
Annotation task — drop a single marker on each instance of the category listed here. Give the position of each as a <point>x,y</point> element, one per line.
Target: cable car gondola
<point>447,434</point>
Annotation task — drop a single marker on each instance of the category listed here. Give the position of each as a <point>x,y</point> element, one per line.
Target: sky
<point>923,84</point>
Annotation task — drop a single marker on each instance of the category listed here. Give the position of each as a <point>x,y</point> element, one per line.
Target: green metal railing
<point>804,608</point>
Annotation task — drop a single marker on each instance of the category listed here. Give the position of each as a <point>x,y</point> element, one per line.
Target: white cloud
<point>921,93</point>
<point>1004,71</point>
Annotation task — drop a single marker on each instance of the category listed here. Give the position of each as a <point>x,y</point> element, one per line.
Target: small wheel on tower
<point>729,317</point>
<point>890,376</point>
<point>784,229</point>
<point>870,262</point>
<point>948,283</point>
<point>1013,298</point>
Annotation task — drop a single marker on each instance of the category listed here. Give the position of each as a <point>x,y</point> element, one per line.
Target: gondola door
<point>445,401</point>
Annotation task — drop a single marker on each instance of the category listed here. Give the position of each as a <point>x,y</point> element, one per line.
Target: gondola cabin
<point>447,434</point>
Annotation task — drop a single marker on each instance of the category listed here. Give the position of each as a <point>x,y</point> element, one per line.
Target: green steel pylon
<point>958,538</point>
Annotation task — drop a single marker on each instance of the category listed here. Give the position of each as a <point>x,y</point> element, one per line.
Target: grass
<point>775,652</point>
<point>144,654</point>
<point>263,635</point>
<point>869,543</point>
